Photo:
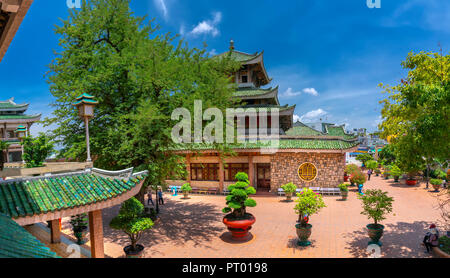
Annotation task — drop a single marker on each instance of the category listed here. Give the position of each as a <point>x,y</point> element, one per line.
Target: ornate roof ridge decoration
<point>40,199</point>
<point>10,105</point>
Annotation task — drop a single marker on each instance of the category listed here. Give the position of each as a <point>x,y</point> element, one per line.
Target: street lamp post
<point>21,134</point>
<point>86,104</point>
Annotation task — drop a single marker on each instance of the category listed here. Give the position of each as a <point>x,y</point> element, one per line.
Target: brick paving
<point>193,228</point>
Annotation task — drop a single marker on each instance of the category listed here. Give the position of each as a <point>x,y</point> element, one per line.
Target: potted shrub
<point>132,222</point>
<point>436,183</point>
<point>376,204</point>
<point>377,172</point>
<point>411,178</point>
<point>350,169</point>
<point>387,172</point>
<point>238,221</point>
<point>372,164</point>
<point>289,189</point>
<point>344,191</point>
<point>186,188</point>
<point>396,172</point>
<point>79,225</point>
<point>308,203</point>
<point>358,178</point>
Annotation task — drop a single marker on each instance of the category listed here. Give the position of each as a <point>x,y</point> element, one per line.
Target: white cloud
<point>208,26</point>
<point>161,5</point>
<point>289,93</point>
<point>311,91</point>
<point>313,116</point>
<point>296,118</point>
<point>213,52</point>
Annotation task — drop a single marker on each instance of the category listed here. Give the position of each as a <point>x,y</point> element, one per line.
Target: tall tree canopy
<point>139,76</point>
<point>416,113</point>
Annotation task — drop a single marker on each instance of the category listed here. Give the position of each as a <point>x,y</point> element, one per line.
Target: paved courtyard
<point>193,228</point>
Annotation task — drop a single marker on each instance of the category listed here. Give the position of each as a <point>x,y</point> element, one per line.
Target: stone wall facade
<point>330,169</point>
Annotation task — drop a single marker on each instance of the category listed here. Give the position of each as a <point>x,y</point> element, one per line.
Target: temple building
<point>13,115</point>
<point>306,156</point>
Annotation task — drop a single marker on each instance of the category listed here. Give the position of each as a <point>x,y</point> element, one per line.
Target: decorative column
<point>55,231</point>
<point>188,168</point>
<point>221,175</point>
<point>251,170</point>
<point>86,104</point>
<point>96,234</point>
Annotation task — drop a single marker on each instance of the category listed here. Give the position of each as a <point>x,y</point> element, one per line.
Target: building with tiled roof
<point>12,115</point>
<point>305,155</point>
<point>48,199</point>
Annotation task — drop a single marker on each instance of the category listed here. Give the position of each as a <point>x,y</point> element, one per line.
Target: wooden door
<point>263,177</point>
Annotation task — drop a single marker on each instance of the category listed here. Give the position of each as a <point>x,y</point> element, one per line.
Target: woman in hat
<point>431,238</point>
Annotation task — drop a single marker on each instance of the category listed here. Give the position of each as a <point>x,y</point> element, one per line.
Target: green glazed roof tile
<point>16,242</point>
<point>34,197</point>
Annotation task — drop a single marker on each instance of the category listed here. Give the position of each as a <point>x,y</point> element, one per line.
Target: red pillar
<point>221,175</point>
<point>251,170</point>
<point>55,231</point>
<point>188,167</point>
<point>96,234</point>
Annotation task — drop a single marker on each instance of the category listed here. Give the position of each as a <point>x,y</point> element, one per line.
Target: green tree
<point>36,150</point>
<point>364,158</point>
<point>131,221</point>
<point>387,155</point>
<point>139,76</point>
<point>376,205</point>
<point>416,112</point>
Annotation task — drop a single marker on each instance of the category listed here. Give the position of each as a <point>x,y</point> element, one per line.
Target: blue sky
<point>327,56</point>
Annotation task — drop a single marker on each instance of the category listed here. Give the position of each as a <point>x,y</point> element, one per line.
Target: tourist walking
<point>160,196</point>
<point>369,173</point>
<point>150,198</point>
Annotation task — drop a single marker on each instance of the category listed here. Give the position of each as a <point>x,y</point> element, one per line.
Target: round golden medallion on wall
<point>307,172</point>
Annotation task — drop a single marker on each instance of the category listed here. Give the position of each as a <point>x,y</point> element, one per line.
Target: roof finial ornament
<point>231,45</point>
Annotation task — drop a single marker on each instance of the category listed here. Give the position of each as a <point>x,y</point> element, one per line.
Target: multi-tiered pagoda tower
<point>13,115</point>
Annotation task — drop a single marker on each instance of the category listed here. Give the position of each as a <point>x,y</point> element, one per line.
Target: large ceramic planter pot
<point>396,179</point>
<point>344,195</point>
<point>134,254</point>
<point>386,177</point>
<point>239,228</point>
<point>289,196</point>
<point>186,195</point>
<point>436,187</point>
<point>80,234</point>
<point>375,233</point>
<point>411,182</point>
<point>303,234</point>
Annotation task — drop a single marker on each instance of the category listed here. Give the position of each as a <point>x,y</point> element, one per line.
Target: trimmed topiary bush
<point>238,200</point>
<point>289,189</point>
<point>308,203</point>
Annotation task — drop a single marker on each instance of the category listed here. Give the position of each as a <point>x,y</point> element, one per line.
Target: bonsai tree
<point>396,172</point>
<point>289,189</point>
<point>132,222</point>
<point>344,190</point>
<point>79,225</point>
<point>238,200</point>
<point>186,188</point>
<point>307,204</point>
<point>376,205</point>
<point>358,178</point>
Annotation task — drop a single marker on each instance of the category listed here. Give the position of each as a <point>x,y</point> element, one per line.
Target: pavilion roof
<point>306,143</point>
<point>10,105</point>
<point>300,129</point>
<point>16,242</point>
<point>240,56</point>
<point>40,196</point>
